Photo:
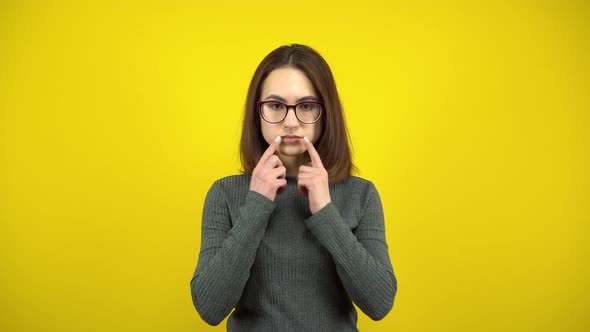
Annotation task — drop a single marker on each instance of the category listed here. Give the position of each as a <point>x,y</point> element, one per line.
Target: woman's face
<point>290,86</point>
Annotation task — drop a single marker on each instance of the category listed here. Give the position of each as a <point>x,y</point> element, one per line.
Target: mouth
<point>291,138</point>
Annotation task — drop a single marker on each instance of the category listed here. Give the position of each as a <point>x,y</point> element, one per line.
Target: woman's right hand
<point>268,177</point>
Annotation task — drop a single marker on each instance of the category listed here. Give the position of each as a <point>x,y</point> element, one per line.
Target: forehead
<point>289,83</point>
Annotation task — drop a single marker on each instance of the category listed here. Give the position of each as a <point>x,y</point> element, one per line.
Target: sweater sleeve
<point>361,256</point>
<point>228,250</point>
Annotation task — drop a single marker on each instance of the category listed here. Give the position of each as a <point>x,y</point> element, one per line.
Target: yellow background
<point>472,118</point>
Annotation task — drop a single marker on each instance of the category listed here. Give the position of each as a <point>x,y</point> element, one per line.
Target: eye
<point>275,106</point>
<point>307,106</point>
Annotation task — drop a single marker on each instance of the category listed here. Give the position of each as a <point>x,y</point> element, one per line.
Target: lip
<point>291,138</point>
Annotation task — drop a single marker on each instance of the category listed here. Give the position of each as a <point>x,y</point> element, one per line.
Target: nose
<point>291,119</point>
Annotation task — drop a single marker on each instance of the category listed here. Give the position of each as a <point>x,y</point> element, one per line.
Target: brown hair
<point>333,142</point>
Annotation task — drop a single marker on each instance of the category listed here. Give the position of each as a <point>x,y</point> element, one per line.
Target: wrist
<point>320,206</point>
<point>266,193</point>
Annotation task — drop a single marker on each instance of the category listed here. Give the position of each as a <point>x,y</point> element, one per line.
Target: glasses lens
<point>273,111</point>
<point>308,112</point>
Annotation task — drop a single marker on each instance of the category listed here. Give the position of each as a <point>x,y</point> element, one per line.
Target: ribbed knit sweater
<point>284,269</point>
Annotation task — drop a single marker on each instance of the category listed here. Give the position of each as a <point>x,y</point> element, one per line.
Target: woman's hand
<point>312,181</point>
<point>268,177</point>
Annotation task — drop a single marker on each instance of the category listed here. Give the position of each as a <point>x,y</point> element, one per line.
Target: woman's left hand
<point>312,180</point>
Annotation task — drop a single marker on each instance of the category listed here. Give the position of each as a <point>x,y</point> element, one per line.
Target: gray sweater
<point>284,269</point>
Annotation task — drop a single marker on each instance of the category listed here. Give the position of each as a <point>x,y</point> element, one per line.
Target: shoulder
<point>230,185</point>
<point>354,188</point>
<point>232,180</point>
<point>355,183</point>
<point>358,180</point>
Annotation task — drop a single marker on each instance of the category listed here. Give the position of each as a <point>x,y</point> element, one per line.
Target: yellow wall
<point>472,118</point>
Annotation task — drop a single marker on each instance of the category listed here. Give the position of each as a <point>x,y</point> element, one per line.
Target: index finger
<point>270,150</point>
<point>316,161</point>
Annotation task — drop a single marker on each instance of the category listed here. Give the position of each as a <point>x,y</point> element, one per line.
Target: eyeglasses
<point>273,111</point>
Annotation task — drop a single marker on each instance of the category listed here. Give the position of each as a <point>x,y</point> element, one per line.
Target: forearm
<point>370,282</point>
<point>224,269</point>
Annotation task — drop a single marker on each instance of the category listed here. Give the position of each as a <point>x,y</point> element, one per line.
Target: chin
<point>293,150</point>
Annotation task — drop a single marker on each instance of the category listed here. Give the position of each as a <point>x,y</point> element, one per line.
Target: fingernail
<point>278,138</point>
<point>305,138</point>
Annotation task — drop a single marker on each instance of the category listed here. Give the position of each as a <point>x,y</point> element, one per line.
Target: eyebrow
<point>312,98</point>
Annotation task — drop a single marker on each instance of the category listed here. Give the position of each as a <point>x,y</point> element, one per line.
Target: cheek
<point>268,132</point>
<point>315,131</point>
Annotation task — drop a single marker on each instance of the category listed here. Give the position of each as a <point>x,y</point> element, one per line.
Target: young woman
<point>296,239</point>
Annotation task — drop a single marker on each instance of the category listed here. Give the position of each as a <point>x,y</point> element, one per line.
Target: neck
<point>292,163</point>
